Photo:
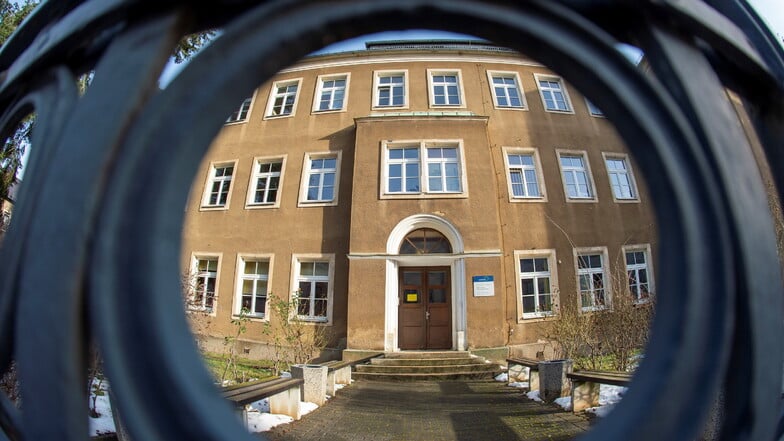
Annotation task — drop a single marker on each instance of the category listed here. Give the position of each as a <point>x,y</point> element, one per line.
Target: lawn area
<point>247,370</point>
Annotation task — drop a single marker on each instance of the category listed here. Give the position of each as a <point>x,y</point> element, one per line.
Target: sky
<point>772,11</point>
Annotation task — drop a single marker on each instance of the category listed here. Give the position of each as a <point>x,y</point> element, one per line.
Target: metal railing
<point>93,247</point>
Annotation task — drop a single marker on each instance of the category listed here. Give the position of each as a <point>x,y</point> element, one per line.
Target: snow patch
<point>105,423</point>
<point>534,395</point>
<point>609,394</point>
<point>519,384</point>
<point>564,402</point>
<point>306,407</point>
<point>601,411</point>
<point>502,377</point>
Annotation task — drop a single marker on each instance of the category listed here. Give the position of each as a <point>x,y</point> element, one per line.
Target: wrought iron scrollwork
<point>110,172</point>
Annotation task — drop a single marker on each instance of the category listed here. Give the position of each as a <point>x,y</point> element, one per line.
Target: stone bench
<point>338,372</point>
<point>515,369</point>
<point>283,394</point>
<point>586,386</point>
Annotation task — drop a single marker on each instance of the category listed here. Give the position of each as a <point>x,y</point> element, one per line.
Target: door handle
<point>427,315</point>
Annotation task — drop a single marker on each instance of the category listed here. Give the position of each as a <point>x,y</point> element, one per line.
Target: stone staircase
<point>426,366</point>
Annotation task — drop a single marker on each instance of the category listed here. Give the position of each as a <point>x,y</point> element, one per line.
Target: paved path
<point>432,411</point>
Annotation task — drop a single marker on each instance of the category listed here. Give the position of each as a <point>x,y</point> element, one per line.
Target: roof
<point>476,45</point>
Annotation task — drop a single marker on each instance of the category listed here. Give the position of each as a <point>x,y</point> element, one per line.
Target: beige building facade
<point>424,195</point>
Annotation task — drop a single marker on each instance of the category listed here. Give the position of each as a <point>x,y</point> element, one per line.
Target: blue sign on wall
<point>483,286</point>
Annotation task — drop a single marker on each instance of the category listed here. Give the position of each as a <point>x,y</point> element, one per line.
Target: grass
<point>602,362</point>
<point>247,369</point>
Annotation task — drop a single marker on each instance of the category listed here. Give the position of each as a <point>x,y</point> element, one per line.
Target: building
<point>417,195</point>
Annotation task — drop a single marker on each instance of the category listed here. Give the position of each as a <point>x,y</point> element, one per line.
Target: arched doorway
<point>425,286</point>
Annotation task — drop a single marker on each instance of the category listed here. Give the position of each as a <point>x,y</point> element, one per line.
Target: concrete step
<point>437,369</point>
<point>451,376</point>
<point>426,366</point>
<point>428,354</point>
<point>424,361</point>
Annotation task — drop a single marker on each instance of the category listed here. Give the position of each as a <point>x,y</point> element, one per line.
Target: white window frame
<point>211,178</point>
<point>593,110</point>
<point>518,84</point>
<point>296,260</point>
<point>629,175</point>
<point>273,94</point>
<point>646,249</point>
<point>586,168</point>
<point>537,169</point>
<point>549,254</point>
<point>240,278</point>
<point>424,182</point>
<point>303,189</point>
<point>195,275</point>
<point>605,270</point>
<point>320,88</point>
<point>542,90</point>
<point>431,88</point>
<point>255,175</point>
<point>377,87</point>
<point>239,111</point>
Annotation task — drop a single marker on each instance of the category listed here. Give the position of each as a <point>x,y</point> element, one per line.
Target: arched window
<point>425,241</point>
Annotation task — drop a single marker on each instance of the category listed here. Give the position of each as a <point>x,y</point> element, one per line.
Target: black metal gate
<point>110,171</point>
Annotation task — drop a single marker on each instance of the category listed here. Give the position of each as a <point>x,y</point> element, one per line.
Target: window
<point>321,178</point>
<point>242,113</point>
<point>313,287</point>
<point>205,270</point>
<point>331,93</point>
<point>390,89</point>
<point>283,98</point>
<point>505,87</point>
<point>425,241</point>
<point>638,272</point>
<point>592,109</point>
<point>536,277</point>
<point>523,172</point>
<point>443,169</point>
<point>592,281</point>
<point>577,180</point>
<point>621,178</point>
<point>253,276</point>
<point>403,166</point>
<point>553,93</point>
<point>445,88</point>
<point>423,168</point>
<point>216,194</point>
<point>265,182</point>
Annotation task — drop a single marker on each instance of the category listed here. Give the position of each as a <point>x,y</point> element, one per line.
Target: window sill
<point>510,108</point>
<point>288,115</point>
<point>252,317</point>
<point>528,199</point>
<point>424,195</point>
<point>262,206</point>
<point>313,321</point>
<point>562,112</point>
<point>582,200</point>
<point>214,207</point>
<point>537,317</point>
<point>627,201</point>
<point>321,112</point>
<point>306,204</point>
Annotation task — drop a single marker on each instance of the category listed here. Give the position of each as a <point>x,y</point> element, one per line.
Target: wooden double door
<point>425,308</point>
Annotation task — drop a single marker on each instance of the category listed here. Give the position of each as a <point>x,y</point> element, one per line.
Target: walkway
<point>454,411</point>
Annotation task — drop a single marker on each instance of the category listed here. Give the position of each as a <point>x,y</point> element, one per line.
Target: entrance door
<point>425,308</point>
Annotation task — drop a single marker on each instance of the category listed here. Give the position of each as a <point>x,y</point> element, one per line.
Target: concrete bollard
<point>552,379</point>
<point>314,389</point>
